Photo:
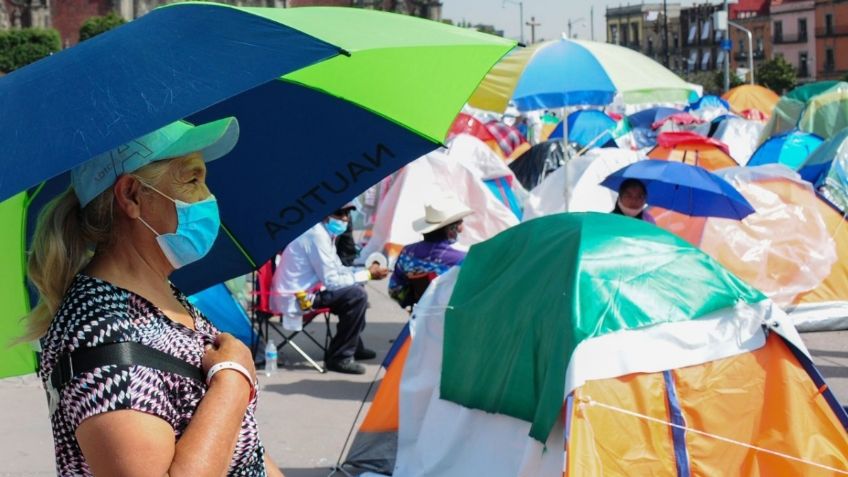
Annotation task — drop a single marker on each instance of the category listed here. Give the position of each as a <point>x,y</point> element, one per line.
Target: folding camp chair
<point>263,315</point>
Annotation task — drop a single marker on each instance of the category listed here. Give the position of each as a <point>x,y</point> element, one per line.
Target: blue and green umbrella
<point>392,84</point>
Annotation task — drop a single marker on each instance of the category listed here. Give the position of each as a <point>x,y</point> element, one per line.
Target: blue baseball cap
<point>213,140</point>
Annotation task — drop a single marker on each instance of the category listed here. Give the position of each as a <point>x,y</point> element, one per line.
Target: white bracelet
<point>235,367</point>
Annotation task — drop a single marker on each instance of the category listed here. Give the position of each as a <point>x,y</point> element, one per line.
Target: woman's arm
<point>271,467</point>
<point>133,443</point>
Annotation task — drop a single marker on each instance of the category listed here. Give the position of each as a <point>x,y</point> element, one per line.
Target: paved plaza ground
<point>303,416</point>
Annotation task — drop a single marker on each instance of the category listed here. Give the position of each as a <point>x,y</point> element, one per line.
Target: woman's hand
<point>228,348</point>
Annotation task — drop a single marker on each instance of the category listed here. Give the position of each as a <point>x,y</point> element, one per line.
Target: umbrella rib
<point>238,245</point>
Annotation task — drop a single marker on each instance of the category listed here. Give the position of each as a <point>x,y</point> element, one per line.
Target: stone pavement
<point>303,416</point>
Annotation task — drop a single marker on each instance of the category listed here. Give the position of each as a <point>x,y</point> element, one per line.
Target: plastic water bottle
<point>270,358</point>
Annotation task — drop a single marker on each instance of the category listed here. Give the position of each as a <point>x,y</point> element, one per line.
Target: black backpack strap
<point>122,354</point>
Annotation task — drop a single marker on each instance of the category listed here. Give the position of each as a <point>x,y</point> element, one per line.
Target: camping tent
<point>535,164</point>
<point>820,108</point>
<point>429,177</point>
<point>741,135</point>
<point>577,184</point>
<point>794,247</point>
<point>691,148</point>
<point>489,168</point>
<point>685,370</point>
<point>751,97</point>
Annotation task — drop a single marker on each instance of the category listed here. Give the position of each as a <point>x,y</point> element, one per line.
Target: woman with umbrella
<point>122,349</point>
<point>632,196</point>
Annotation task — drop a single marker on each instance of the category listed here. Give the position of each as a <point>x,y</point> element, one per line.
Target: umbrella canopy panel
<point>751,97</point>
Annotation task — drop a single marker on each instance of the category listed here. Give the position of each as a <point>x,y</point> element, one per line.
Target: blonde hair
<point>66,237</point>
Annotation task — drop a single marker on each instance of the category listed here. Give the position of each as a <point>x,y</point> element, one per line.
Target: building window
<point>706,29</point>
<point>634,33</point>
<point>705,60</point>
<point>802,29</point>
<point>741,44</point>
<point>778,31</point>
<point>614,34</point>
<point>676,42</point>
<point>693,32</point>
<point>720,58</point>
<point>828,24</point>
<point>829,60</point>
<point>650,46</point>
<point>803,71</point>
<point>693,60</point>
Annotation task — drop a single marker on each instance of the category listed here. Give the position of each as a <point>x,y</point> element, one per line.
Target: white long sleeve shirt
<point>308,260</point>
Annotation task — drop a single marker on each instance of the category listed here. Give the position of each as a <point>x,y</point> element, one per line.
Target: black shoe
<point>346,366</point>
<point>364,353</point>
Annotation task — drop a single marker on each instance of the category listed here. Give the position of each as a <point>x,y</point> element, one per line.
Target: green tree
<point>22,46</point>
<point>97,25</point>
<point>777,75</point>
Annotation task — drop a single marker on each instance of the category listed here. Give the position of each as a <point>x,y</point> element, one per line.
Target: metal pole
<point>750,46</point>
<point>665,35</point>
<point>521,19</point>
<point>592,19</point>
<point>727,56</point>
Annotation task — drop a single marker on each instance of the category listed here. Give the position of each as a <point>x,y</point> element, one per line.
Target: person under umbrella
<point>684,188</point>
<point>312,260</point>
<point>632,199</point>
<point>144,210</point>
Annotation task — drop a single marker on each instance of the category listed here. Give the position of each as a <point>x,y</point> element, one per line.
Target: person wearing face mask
<point>312,259</point>
<point>436,254</point>
<point>631,202</point>
<point>128,363</point>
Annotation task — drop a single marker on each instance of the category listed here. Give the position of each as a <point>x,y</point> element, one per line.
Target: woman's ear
<point>127,190</point>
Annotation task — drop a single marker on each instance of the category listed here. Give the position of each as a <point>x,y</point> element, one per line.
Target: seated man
<point>311,259</point>
<point>441,226</point>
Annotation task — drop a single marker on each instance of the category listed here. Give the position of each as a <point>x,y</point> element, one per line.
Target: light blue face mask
<point>197,228</point>
<point>336,227</point>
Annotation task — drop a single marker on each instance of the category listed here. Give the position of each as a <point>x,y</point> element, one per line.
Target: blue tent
<point>791,149</point>
<point>647,117</point>
<point>586,125</point>
<point>708,101</point>
<point>224,312</point>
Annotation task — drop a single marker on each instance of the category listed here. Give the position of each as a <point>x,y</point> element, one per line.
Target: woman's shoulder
<point>91,307</point>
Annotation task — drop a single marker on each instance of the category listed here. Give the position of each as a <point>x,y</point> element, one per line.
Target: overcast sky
<point>552,14</point>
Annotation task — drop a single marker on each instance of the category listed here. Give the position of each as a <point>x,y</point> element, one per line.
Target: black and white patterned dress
<point>94,312</point>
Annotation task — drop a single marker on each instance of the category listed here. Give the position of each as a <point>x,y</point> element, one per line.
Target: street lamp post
<point>520,16</point>
<point>580,20</point>
<point>750,47</point>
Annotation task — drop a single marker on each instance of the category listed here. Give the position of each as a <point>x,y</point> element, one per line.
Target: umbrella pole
<point>592,143</point>
<point>565,156</point>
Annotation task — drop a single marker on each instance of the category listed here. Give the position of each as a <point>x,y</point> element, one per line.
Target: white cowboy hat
<point>439,213</point>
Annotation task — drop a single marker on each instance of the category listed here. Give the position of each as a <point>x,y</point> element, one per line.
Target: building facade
<point>793,26</point>
<point>752,15</point>
<point>701,41</point>
<point>641,27</point>
<point>67,16</point>
<point>831,39</point>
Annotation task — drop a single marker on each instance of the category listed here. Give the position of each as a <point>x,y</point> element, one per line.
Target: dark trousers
<point>349,304</point>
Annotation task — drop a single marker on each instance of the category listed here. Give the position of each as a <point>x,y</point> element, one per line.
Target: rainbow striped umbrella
<point>556,74</point>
